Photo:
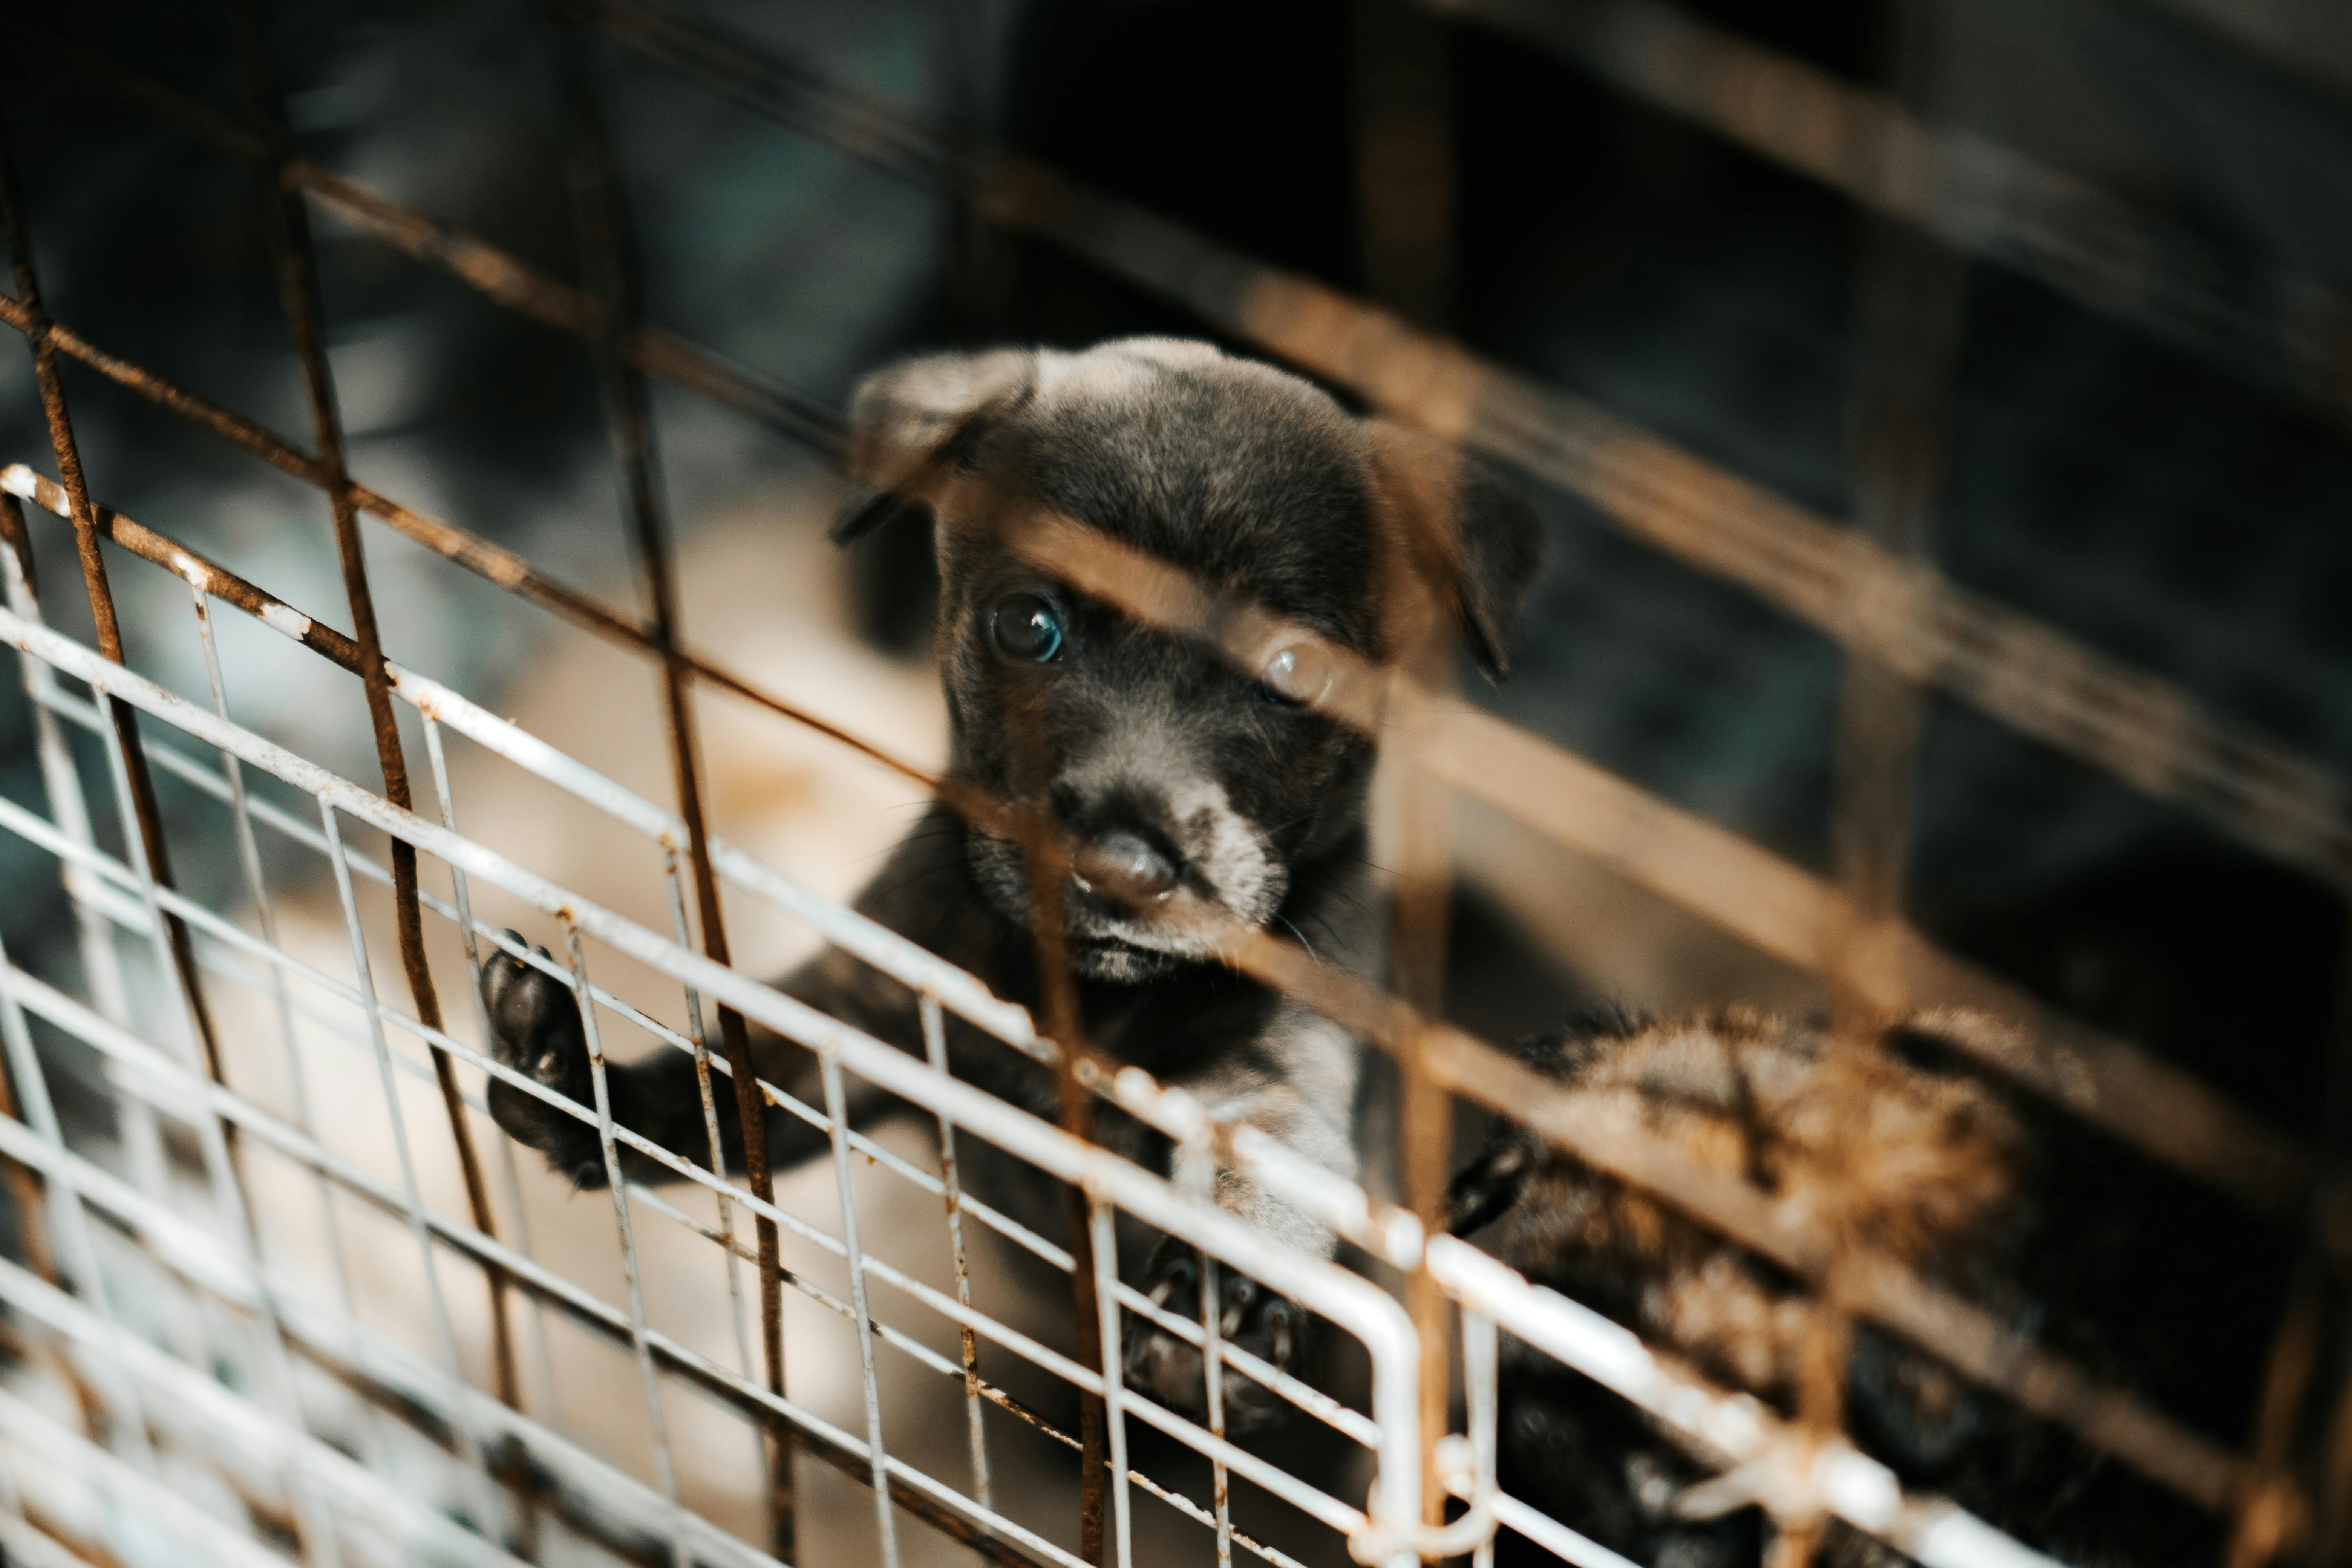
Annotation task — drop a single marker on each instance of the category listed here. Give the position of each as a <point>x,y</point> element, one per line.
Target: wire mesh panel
<point>283,1289</point>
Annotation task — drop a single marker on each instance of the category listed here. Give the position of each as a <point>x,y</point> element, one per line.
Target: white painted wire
<point>1354,1305</point>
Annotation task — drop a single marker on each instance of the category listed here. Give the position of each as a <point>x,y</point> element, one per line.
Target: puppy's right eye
<point>1026,628</point>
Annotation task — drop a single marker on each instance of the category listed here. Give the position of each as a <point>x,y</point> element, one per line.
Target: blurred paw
<point>535,1030</point>
<point>1251,1318</point>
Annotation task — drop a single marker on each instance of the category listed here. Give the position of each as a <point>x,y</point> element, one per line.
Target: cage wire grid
<point>145,1409</point>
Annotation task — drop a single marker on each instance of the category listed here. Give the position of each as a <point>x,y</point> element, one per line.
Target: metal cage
<point>285,1303</point>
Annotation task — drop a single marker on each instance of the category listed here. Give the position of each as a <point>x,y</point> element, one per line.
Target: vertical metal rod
<point>101,965</point>
<point>1213,1370</point>
<point>1102,1220</point>
<point>1404,186</point>
<point>1404,159</point>
<point>1481,1370</point>
<point>40,1204</point>
<point>716,1140</point>
<point>2330,1536</point>
<point>248,851</point>
<point>70,1218</point>
<point>1418,919</point>
<point>29,1192</point>
<point>711,1134</point>
<point>1196,1166</point>
<point>1094,1352</point>
<point>248,857</point>
<point>143,1139</point>
<point>1047,865</point>
<point>227,1188</point>
<point>437,758</point>
<point>935,1051</point>
<point>837,1111</point>
<point>1420,911</point>
<point>2260,1521</point>
<point>1911,295</point>
<point>147,816</point>
<point>1405,180</point>
<point>609,262</point>
<point>297,293</point>
<point>665,1461</point>
<point>1910,305</point>
<point>445,1329</point>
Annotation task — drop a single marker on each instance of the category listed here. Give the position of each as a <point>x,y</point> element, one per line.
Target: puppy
<point>1900,1145</point>
<point>1172,767</point>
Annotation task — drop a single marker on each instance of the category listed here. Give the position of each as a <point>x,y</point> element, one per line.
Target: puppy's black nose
<point>1142,866</point>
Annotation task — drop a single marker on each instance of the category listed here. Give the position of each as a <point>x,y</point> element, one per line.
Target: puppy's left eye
<point>1026,628</point>
<point>1294,677</point>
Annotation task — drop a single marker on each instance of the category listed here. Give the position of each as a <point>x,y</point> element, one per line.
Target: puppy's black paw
<point>1253,1318</point>
<point>535,1030</point>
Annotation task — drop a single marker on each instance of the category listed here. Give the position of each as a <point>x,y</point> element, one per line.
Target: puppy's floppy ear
<point>917,412</point>
<point>1471,535</point>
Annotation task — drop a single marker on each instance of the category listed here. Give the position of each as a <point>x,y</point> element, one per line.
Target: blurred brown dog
<point>1899,1144</point>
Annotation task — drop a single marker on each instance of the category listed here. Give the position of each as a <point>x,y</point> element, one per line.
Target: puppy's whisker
<point>1302,938</point>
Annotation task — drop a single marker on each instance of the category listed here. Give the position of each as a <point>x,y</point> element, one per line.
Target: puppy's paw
<point>535,1030</point>
<point>1251,1318</point>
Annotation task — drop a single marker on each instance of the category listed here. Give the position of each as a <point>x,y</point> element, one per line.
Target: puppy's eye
<point>1026,628</point>
<point>1294,677</point>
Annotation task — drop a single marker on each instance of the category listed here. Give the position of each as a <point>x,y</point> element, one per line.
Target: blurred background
<point>2098,368</point>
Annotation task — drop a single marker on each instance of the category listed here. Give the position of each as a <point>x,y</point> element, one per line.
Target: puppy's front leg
<point>536,1029</point>
<point>1299,1090</point>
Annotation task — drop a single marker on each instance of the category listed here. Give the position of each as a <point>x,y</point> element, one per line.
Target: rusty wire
<point>288,225</point>
<point>608,255</point>
<point>2104,1073</point>
<point>2161,743</point>
<point>42,336</point>
<point>2165,742</point>
<point>2144,729</point>
<point>1478,1072</point>
<point>1405,180</point>
<point>1490,1077</point>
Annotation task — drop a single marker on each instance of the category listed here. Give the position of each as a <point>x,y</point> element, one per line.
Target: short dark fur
<point>1264,486</point>
<point>1912,1150</point>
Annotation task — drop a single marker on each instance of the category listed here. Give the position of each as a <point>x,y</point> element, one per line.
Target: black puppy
<point>1902,1145</point>
<point>1179,770</point>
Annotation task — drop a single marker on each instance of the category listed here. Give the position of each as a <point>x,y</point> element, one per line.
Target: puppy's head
<point>1175,766</point>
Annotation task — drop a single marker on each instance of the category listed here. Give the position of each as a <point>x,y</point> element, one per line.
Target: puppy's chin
<point>1122,963</point>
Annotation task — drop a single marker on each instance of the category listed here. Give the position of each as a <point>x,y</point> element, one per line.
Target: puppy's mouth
<point>1114,957</point>
<point>1120,944</point>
